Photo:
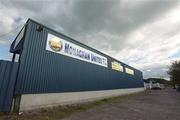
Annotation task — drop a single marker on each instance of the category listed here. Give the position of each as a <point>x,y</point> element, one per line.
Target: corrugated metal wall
<point>8,72</point>
<point>42,71</point>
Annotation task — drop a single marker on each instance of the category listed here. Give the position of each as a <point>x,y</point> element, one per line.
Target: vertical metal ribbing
<point>17,97</point>
<point>43,71</point>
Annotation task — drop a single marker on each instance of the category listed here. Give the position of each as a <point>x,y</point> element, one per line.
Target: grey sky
<point>142,33</point>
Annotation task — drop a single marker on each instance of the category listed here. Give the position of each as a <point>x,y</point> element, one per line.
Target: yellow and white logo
<point>55,44</point>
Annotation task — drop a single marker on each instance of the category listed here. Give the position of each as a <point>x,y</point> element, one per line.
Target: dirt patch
<point>153,105</point>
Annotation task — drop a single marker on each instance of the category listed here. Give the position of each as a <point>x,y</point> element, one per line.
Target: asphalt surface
<point>152,105</point>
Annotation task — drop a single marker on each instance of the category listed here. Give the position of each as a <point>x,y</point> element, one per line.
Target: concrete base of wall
<point>34,101</point>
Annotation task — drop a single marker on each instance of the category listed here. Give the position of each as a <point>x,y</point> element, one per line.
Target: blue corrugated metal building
<point>50,62</point>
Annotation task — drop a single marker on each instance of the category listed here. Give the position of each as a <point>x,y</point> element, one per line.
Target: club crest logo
<point>55,44</point>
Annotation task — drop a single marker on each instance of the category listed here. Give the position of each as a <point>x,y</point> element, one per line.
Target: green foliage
<point>174,72</point>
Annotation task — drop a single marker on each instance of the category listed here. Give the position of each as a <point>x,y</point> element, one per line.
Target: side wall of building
<point>33,101</point>
<point>43,71</point>
<point>8,72</point>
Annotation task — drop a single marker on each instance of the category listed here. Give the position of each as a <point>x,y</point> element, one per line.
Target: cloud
<point>4,42</point>
<point>151,46</point>
<point>143,34</point>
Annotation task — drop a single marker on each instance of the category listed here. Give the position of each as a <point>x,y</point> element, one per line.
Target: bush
<point>174,72</point>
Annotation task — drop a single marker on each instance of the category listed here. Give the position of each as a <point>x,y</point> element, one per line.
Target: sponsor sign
<point>116,66</point>
<point>61,46</point>
<point>129,71</point>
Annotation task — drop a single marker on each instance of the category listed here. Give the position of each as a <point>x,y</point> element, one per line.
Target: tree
<point>174,72</point>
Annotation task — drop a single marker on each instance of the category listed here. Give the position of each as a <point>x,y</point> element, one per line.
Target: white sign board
<point>116,66</point>
<point>129,71</point>
<point>61,46</point>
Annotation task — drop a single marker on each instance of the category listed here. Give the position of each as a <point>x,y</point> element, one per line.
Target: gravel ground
<point>152,105</point>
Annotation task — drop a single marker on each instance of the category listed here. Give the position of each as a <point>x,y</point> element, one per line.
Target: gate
<point>7,83</point>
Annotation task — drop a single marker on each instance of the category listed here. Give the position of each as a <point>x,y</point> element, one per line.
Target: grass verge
<point>58,112</point>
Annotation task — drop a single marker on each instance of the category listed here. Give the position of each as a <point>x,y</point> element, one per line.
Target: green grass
<point>53,113</point>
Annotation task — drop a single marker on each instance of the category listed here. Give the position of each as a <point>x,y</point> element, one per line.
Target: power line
<point>5,34</point>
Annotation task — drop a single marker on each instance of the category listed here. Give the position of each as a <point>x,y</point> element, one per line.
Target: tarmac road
<point>152,105</point>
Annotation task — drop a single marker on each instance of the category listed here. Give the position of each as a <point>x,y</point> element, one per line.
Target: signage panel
<point>129,71</point>
<point>116,66</point>
<point>61,46</point>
